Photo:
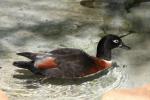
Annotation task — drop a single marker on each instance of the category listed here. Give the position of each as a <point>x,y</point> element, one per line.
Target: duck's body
<point>69,62</point>
<point>62,63</point>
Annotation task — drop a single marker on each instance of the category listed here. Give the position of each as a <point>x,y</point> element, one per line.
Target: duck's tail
<point>29,55</point>
<point>26,65</point>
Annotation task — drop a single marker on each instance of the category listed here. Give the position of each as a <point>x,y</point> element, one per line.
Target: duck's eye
<point>116,41</point>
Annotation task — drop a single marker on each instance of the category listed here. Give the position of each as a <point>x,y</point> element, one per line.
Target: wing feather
<point>46,63</point>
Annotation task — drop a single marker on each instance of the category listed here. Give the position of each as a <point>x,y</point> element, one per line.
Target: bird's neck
<point>103,52</point>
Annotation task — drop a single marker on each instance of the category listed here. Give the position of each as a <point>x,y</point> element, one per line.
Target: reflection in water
<point>57,91</point>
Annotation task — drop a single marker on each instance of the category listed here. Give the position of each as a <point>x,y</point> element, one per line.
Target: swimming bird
<point>72,63</point>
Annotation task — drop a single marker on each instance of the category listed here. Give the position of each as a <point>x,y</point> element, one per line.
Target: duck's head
<point>113,41</point>
<point>107,43</point>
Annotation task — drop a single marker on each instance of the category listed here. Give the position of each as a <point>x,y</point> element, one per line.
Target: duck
<point>72,63</point>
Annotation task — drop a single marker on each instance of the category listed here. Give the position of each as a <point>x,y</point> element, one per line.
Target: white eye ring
<point>116,41</point>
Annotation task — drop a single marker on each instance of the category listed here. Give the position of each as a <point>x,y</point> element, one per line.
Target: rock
<point>142,93</point>
<point>3,96</point>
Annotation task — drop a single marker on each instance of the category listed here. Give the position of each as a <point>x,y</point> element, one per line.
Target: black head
<point>107,43</point>
<point>112,41</point>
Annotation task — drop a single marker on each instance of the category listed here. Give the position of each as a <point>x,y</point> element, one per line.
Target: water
<point>21,84</point>
<point>39,26</point>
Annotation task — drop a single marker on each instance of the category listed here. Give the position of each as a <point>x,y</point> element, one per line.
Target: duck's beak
<point>122,45</point>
